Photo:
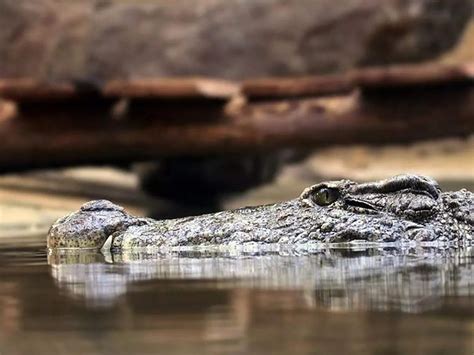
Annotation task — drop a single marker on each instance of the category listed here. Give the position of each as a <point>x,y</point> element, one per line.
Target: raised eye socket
<point>325,196</point>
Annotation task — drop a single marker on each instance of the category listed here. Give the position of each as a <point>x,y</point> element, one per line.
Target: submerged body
<point>401,209</point>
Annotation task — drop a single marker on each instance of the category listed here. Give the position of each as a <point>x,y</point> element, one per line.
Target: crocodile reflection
<point>408,280</point>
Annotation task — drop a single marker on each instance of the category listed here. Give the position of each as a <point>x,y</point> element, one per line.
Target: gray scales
<point>402,209</point>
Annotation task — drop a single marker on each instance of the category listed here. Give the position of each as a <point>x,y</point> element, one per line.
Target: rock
<point>97,39</point>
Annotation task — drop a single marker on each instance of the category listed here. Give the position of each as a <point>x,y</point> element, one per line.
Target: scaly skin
<point>401,209</point>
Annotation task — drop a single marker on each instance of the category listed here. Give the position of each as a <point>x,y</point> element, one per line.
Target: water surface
<point>328,301</point>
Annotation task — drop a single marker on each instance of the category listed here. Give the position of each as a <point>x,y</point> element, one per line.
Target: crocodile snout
<point>89,227</point>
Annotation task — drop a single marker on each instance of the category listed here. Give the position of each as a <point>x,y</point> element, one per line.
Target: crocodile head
<point>400,209</point>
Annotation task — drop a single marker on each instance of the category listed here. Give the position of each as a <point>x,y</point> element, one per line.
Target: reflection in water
<point>409,280</point>
<point>332,301</point>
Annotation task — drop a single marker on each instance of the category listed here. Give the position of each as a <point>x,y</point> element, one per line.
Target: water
<point>329,301</point>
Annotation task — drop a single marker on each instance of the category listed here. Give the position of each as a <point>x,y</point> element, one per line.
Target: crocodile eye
<point>325,196</point>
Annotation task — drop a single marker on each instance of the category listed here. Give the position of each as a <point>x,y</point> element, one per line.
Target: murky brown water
<point>367,301</point>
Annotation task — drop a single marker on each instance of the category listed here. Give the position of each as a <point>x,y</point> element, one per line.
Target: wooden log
<point>269,88</point>
<point>172,88</point>
<point>196,128</point>
<point>401,76</point>
<point>434,74</point>
<point>27,89</point>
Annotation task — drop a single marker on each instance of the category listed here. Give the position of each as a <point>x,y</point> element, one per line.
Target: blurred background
<point>173,109</point>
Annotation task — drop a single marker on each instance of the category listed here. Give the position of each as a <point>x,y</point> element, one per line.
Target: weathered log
<point>70,124</point>
<point>434,74</point>
<point>97,40</point>
<point>196,128</point>
<point>28,89</point>
<point>402,76</point>
<point>171,88</point>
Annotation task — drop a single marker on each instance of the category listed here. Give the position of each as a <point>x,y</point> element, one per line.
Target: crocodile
<point>402,209</point>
